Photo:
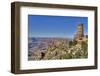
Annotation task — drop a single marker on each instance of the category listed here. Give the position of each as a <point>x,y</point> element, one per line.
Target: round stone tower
<point>79,34</point>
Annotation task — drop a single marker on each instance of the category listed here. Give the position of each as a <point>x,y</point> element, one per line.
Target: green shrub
<point>85,49</point>
<point>72,43</point>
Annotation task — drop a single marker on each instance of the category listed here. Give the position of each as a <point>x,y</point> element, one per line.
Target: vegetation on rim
<point>62,49</point>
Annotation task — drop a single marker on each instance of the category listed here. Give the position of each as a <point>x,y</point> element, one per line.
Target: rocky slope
<point>60,49</point>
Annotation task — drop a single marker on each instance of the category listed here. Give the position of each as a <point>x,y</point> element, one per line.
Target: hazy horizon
<point>55,26</point>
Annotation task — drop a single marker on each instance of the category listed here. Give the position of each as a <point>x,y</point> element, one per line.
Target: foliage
<point>72,43</point>
<point>84,47</point>
<point>64,50</point>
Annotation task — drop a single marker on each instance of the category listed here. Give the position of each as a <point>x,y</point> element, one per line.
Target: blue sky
<point>55,26</point>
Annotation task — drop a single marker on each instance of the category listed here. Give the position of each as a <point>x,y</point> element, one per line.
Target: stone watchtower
<point>79,34</point>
